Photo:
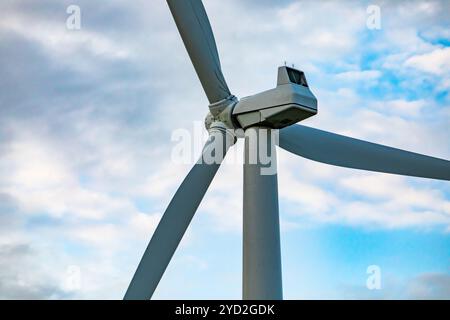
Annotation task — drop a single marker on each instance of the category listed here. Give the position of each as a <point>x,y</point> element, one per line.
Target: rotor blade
<point>348,152</point>
<point>195,30</point>
<point>175,221</point>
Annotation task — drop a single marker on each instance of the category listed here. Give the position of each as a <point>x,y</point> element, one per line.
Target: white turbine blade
<point>174,222</point>
<point>348,152</point>
<point>195,30</point>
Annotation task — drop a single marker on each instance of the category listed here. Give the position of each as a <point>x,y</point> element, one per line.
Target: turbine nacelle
<point>290,102</point>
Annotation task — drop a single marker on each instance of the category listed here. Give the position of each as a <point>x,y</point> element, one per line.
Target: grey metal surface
<point>261,231</point>
<point>289,102</point>
<point>348,152</point>
<point>195,30</point>
<point>173,225</point>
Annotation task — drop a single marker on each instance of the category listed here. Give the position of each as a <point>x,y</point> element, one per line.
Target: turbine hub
<point>222,111</point>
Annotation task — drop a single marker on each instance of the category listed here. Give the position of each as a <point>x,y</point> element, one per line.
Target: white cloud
<point>436,62</point>
<point>135,226</point>
<point>41,180</point>
<point>103,235</point>
<point>431,285</point>
<point>393,203</point>
<point>329,36</point>
<point>309,198</point>
<point>56,39</point>
<point>402,107</point>
<point>144,224</point>
<point>364,75</point>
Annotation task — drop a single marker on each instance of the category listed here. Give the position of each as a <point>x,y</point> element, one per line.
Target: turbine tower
<point>262,117</point>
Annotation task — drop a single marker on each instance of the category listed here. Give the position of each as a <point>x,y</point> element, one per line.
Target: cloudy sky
<point>86,118</point>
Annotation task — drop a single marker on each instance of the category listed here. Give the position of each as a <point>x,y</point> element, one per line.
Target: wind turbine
<point>279,108</point>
